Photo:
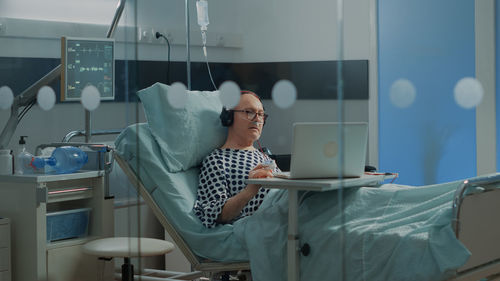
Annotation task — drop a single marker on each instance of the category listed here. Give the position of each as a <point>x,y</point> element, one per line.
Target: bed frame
<point>476,222</point>
<point>199,266</point>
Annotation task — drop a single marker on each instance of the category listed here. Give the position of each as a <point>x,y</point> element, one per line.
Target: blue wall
<point>497,58</point>
<point>430,43</point>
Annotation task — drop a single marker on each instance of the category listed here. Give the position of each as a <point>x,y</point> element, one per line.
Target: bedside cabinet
<point>51,218</point>
<point>5,272</point>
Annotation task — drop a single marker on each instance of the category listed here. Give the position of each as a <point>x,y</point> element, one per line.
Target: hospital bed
<point>200,266</point>
<point>167,181</point>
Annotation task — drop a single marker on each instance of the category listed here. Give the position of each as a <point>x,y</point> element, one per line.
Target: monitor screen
<point>87,61</point>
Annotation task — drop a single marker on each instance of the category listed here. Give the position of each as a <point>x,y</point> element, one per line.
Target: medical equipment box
<point>98,156</point>
<point>67,224</point>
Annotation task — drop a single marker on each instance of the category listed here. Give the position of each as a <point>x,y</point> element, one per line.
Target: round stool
<point>126,248</point>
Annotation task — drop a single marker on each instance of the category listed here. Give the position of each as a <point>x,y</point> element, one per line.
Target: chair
<point>126,248</point>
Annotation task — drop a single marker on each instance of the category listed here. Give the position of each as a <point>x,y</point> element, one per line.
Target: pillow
<point>186,135</point>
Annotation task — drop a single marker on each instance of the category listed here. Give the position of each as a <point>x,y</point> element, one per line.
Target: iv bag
<point>202,10</point>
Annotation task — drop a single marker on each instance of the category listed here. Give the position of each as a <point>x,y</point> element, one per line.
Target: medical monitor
<point>87,61</point>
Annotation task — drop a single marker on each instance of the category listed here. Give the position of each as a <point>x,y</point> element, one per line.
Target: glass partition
<point>81,195</point>
<point>388,94</point>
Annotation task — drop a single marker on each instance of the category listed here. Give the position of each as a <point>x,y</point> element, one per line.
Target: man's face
<point>245,126</point>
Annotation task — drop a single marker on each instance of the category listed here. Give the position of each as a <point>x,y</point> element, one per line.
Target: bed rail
<point>81,133</point>
<point>475,223</point>
<point>484,181</point>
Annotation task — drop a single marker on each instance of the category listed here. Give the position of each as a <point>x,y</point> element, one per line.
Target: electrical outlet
<point>145,35</point>
<point>139,34</point>
<point>166,33</point>
<point>148,37</point>
<point>153,36</point>
<point>3,28</point>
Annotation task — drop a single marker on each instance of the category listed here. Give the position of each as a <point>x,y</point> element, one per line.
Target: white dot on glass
<point>468,92</point>
<point>177,95</point>
<point>6,97</point>
<point>284,94</point>
<point>91,98</point>
<point>46,98</point>
<point>402,93</point>
<point>229,94</point>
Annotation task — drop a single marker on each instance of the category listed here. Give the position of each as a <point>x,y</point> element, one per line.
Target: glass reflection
<point>46,98</point>
<point>91,98</point>
<point>284,94</point>
<point>468,92</point>
<point>229,94</point>
<point>402,93</point>
<point>177,95</point>
<point>6,97</point>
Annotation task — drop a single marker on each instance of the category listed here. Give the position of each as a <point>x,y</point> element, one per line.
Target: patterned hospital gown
<point>222,175</point>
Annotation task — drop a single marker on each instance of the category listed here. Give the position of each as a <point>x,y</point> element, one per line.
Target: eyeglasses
<point>251,114</point>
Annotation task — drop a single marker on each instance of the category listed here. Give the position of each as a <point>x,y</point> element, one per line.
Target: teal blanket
<point>390,233</point>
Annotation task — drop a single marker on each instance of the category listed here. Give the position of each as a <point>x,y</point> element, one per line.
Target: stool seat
<point>127,247</point>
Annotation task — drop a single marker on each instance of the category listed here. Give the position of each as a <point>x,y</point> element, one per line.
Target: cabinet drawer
<point>4,259</point>
<point>4,235</point>
<point>70,263</point>
<point>5,276</point>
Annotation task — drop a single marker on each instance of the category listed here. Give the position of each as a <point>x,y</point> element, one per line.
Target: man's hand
<point>260,171</point>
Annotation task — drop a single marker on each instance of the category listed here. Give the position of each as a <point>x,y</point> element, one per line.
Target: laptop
<point>316,150</point>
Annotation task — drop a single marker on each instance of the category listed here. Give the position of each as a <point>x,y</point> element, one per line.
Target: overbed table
<point>294,186</point>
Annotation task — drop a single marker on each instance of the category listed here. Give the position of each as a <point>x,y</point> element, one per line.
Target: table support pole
<point>293,236</point>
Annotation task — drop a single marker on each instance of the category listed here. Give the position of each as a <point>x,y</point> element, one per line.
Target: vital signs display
<point>87,62</point>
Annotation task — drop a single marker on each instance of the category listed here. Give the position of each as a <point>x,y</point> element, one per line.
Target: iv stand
<point>188,51</point>
<point>29,95</point>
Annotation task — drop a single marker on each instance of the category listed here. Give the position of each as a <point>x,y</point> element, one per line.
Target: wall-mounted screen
<point>87,61</point>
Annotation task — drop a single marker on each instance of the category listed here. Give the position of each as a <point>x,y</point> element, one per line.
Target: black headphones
<point>227,116</point>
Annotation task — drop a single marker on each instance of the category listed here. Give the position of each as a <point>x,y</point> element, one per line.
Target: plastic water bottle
<point>5,162</point>
<point>31,164</point>
<point>66,159</point>
<point>25,162</point>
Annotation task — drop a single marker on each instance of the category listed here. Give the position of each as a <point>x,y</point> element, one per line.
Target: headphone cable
<point>260,147</point>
